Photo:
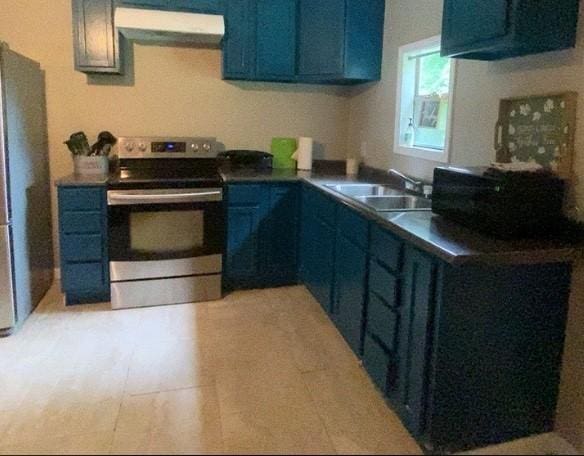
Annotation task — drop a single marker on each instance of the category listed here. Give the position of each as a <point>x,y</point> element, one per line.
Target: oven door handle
<point>134,198</point>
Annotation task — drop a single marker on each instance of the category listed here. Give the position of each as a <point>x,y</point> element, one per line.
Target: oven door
<point>165,233</point>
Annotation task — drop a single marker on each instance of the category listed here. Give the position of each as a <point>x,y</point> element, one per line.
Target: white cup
<point>352,166</point>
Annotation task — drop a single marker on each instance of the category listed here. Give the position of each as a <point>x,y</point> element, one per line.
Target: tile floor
<point>257,372</point>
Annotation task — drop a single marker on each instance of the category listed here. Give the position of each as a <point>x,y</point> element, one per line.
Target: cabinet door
<point>96,40</point>
<point>321,46</point>
<point>418,296</point>
<point>469,22</point>
<point>238,44</point>
<point>349,296</point>
<point>318,253</point>
<point>282,250</point>
<point>244,249</point>
<point>276,39</point>
<point>84,241</point>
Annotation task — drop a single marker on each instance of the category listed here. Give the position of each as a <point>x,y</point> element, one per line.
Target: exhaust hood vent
<point>170,27</point>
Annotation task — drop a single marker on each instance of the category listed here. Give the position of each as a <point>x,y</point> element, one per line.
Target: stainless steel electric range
<point>166,222</point>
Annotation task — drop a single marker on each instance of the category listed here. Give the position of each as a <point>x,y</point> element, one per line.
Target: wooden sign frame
<point>522,133</point>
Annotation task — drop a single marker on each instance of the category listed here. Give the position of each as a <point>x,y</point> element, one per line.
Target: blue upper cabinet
<point>276,38</point>
<point>340,41</point>
<point>260,40</point>
<point>324,42</point>
<point>95,39</point>
<point>321,45</point>
<point>195,6</point>
<point>239,41</point>
<point>499,29</point>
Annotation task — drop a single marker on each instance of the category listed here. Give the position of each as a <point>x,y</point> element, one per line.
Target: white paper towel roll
<point>303,154</point>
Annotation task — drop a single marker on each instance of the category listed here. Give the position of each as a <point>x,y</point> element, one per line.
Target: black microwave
<point>506,205</point>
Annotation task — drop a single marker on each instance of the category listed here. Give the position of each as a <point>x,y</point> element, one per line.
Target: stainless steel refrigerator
<point>26,250</point>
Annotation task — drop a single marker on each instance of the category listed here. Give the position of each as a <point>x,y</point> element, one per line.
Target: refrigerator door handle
<point>7,316</point>
<point>3,169</point>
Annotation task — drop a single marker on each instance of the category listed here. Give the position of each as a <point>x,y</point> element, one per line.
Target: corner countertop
<point>430,232</point>
<point>74,180</point>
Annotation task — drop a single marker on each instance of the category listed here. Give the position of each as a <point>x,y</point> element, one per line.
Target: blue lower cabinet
<point>317,246</point>
<point>417,307</point>
<point>284,227</point>
<point>262,235</point>
<point>83,239</point>
<point>467,355</point>
<point>248,209</point>
<point>317,263</point>
<point>350,290</point>
<point>380,364</point>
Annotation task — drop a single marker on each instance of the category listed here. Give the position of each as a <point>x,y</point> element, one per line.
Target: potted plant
<point>91,161</point>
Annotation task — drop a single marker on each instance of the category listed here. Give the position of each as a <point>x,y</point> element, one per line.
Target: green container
<point>282,150</point>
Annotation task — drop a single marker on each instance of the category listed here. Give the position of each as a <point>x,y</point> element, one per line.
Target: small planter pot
<point>91,166</point>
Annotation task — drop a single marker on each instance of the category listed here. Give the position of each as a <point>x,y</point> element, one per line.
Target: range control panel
<point>159,147</point>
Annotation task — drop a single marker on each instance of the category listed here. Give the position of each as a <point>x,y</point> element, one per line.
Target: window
<point>424,101</point>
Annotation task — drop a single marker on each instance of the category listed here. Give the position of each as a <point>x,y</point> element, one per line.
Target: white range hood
<point>170,26</point>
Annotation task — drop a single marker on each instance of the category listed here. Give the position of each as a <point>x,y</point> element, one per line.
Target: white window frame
<point>442,156</point>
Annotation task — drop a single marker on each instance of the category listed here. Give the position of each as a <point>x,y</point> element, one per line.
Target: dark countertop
<point>446,240</point>
<point>74,180</point>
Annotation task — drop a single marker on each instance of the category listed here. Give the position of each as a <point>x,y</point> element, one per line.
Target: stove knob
<point>195,147</point>
<point>206,147</point>
<point>142,147</point>
<point>130,147</point>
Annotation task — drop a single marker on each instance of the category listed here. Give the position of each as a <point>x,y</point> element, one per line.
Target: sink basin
<point>363,190</point>
<point>396,203</point>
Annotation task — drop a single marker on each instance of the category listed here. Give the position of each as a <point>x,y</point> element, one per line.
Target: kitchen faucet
<point>410,183</point>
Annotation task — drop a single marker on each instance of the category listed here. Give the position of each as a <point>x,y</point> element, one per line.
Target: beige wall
<point>179,92</point>
<point>173,91</point>
<point>479,86</point>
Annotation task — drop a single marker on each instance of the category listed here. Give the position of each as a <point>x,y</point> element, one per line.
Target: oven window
<point>166,232</point>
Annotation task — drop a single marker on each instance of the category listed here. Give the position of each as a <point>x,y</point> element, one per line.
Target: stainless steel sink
<point>358,190</point>
<point>396,203</point>
<point>382,198</point>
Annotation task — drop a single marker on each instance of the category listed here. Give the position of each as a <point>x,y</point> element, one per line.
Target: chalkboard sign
<point>538,129</point>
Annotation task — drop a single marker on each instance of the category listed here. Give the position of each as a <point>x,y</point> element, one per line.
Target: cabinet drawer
<point>246,194</point>
<point>82,247</point>
<point>81,222</point>
<point>386,248</point>
<point>382,321</point>
<point>80,199</point>
<point>383,283</point>
<point>83,276</point>
<point>319,205</point>
<point>353,226</point>
<point>379,365</point>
